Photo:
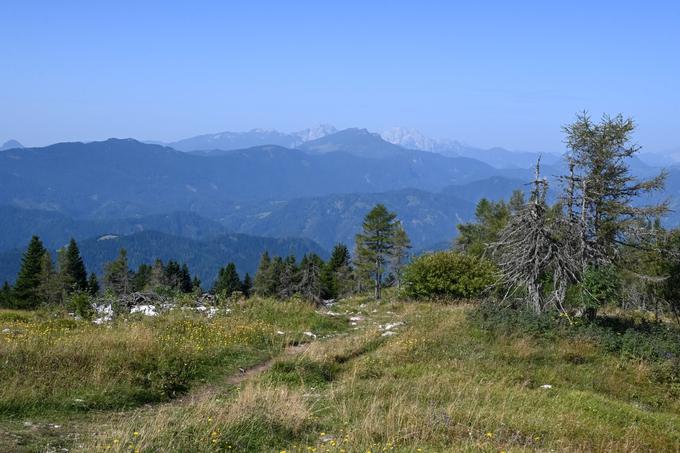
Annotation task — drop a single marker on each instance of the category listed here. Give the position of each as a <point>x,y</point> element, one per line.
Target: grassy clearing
<point>436,383</point>
<point>62,365</point>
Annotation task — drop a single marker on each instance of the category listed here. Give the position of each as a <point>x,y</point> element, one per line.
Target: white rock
<point>6,330</point>
<point>546,386</point>
<point>389,333</point>
<point>390,326</point>
<point>146,310</point>
<point>278,332</point>
<point>309,334</point>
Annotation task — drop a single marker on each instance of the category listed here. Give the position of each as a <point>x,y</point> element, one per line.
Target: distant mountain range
<point>227,141</point>
<point>127,178</point>
<point>226,197</point>
<point>403,137</point>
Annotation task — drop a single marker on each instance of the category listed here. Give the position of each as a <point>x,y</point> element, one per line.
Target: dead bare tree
<point>536,252</point>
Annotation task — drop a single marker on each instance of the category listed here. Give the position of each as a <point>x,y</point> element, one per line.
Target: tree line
<point>381,252</point>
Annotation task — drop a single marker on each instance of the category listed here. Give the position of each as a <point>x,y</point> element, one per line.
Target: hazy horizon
<point>490,75</point>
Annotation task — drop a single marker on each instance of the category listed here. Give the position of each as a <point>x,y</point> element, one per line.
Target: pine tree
<point>376,242</point>
<point>116,274</point>
<point>28,280</point>
<point>93,284</point>
<point>75,272</point>
<point>247,286</point>
<point>227,281</point>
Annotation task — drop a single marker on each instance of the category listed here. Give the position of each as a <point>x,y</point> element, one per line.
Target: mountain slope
<point>359,142</point>
<point>428,217</point>
<point>55,229</point>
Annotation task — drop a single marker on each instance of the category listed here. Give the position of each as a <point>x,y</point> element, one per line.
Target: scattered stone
<point>546,386</point>
<point>146,310</point>
<point>388,333</point>
<point>278,332</point>
<point>390,326</point>
<point>309,334</point>
<point>6,330</point>
<point>327,438</point>
<point>356,318</point>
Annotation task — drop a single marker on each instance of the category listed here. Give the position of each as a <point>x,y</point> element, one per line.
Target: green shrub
<point>80,303</point>
<point>601,286</point>
<point>448,275</point>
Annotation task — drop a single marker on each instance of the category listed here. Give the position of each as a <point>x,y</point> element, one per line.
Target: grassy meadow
<point>388,376</point>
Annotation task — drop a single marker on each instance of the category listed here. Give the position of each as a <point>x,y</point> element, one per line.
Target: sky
<point>488,74</point>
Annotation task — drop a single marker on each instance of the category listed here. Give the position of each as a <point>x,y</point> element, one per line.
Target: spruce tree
<point>196,284</point>
<point>336,273</point>
<point>93,284</point>
<point>157,278</point>
<point>141,279</point>
<point>309,285</point>
<point>263,284</point>
<point>173,274</point>
<point>185,284</point>
<point>247,286</point>
<point>288,278</point>
<point>49,290</point>
<point>375,244</point>
<point>75,268</point>
<point>6,296</point>
<point>227,281</point>
<point>28,280</point>
<point>116,274</point>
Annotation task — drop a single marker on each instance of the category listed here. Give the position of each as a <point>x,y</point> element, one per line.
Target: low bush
<point>448,275</point>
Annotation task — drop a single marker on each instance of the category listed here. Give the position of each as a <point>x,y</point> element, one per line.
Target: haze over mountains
<point>216,198</point>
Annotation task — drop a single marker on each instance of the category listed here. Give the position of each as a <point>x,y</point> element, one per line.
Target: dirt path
<point>211,389</point>
<point>15,435</point>
<point>266,365</point>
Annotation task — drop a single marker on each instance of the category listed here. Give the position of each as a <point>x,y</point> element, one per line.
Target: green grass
<point>440,383</point>
<point>63,365</point>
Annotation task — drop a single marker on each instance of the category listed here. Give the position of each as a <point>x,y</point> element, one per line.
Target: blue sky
<point>486,73</point>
